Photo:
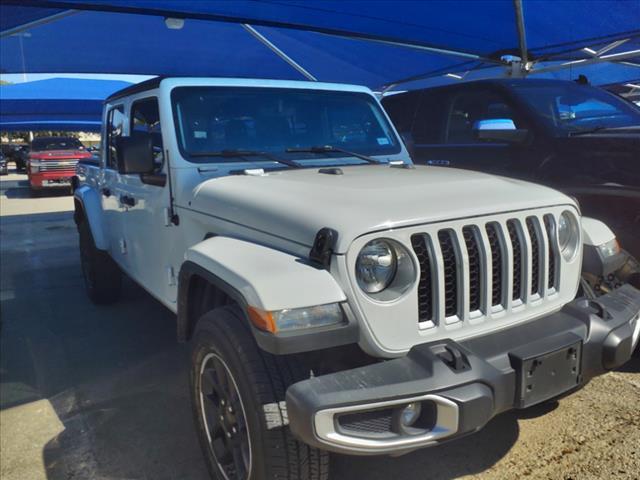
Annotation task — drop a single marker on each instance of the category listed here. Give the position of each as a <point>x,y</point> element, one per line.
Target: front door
<point>149,233</point>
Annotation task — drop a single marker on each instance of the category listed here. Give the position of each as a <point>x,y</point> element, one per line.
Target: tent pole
<point>522,36</point>
<point>37,23</point>
<point>614,57</point>
<point>265,41</point>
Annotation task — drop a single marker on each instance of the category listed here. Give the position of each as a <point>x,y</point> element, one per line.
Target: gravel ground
<point>100,393</point>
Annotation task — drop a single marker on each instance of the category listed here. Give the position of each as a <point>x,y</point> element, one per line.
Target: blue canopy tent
<point>382,44</point>
<point>55,104</point>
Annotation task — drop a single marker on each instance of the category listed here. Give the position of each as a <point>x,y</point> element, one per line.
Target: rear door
<point>443,132</point>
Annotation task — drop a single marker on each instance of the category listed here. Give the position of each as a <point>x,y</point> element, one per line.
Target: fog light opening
<point>410,414</point>
<point>416,418</point>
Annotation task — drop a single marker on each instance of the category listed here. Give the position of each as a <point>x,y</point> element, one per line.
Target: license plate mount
<point>544,376</point>
<point>58,182</point>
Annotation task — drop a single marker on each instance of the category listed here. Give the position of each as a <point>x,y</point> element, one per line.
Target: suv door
<point>109,186</point>
<point>146,199</point>
<point>443,129</point>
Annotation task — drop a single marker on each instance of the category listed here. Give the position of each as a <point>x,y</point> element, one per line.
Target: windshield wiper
<point>247,153</point>
<point>331,149</point>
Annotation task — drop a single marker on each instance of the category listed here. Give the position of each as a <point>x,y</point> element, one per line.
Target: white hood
<point>295,204</point>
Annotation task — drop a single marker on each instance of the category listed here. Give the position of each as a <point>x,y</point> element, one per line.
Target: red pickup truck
<point>52,161</point>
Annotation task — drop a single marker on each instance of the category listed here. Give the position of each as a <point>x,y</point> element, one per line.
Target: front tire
<point>102,277</point>
<point>237,393</point>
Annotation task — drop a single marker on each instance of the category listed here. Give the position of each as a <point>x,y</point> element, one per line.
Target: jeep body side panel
<point>267,279</point>
<point>90,200</point>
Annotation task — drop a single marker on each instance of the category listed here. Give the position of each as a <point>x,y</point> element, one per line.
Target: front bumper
<point>462,385</point>
<point>55,179</point>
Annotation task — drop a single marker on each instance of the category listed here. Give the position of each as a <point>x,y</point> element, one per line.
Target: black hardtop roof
<point>135,88</point>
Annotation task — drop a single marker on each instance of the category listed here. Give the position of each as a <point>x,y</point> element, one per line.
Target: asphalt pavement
<point>92,392</point>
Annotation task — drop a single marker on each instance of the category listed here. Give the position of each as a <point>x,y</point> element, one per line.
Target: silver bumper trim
<point>447,421</point>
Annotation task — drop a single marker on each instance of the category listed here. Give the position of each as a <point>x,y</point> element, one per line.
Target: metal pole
<point>36,23</point>
<point>614,57</point>
<point>265,41</point>
<point>522,36</point>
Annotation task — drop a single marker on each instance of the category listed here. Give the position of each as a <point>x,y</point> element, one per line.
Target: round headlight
<point>568,235</point>
<point>385,270</point>
<point>376,266</point>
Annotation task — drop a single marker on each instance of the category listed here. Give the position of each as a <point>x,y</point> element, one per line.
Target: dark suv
<point>577,138</point>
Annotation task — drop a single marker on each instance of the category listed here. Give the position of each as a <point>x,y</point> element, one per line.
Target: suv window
<point>469,107</point>
<point>145,118</point>
<point>115,124</point>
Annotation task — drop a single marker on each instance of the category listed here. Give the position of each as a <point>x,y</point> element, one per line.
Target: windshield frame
<point>521,93</point>
<point>305,159</point>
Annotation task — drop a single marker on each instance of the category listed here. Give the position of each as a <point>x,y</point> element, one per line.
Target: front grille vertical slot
<point>451,262</point>
<point>518,259</point>
<point>497,256</point>
<point>476,270</point>
<point>536,267</point>
<point>425,284</point>
<point>552,252</point>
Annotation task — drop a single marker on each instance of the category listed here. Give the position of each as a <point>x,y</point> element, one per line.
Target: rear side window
<point>115,124</point>
<point>145,118</point>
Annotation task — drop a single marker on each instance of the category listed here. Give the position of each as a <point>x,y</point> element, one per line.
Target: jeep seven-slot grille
<point>475,267</point>
<point>425,292</point>
<point>496,264</point>
<point>535,256</point>
<point>549,226</point>
<point>516,245</point>
<point>486,246</point>
<point>450,262</point>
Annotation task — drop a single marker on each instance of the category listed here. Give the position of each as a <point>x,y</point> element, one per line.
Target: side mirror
<point>135,154</point>
<point>499,130</point>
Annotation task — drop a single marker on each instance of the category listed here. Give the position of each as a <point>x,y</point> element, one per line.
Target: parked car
<point>4,167</point>
<point>53,160</point>
<point>577,138</point>
<point>21,157</point>
<point>336,297</point>
<point>15,153</point>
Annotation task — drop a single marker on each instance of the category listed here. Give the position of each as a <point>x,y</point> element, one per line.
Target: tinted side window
<point>430,120</point>
<point>145,118</point>
<point>469,107</point>
<point>115,124</point>
<point>402,109</point>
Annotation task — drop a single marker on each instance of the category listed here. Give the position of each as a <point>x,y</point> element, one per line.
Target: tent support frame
<point>267,43</point>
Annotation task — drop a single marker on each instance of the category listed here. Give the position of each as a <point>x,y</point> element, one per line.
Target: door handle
<point>106,192</point>
<point>127,200</point>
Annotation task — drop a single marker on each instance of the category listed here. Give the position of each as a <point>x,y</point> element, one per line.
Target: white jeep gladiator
<point>336,297</point>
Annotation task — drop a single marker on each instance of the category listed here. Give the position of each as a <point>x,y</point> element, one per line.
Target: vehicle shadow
<point>633,365</point>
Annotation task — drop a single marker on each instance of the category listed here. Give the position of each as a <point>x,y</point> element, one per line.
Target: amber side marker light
<point>262,319</point>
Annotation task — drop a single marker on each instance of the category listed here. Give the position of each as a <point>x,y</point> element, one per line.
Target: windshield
<point>56,143</point>
<point>569,108</point>
<point>216,119</point>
